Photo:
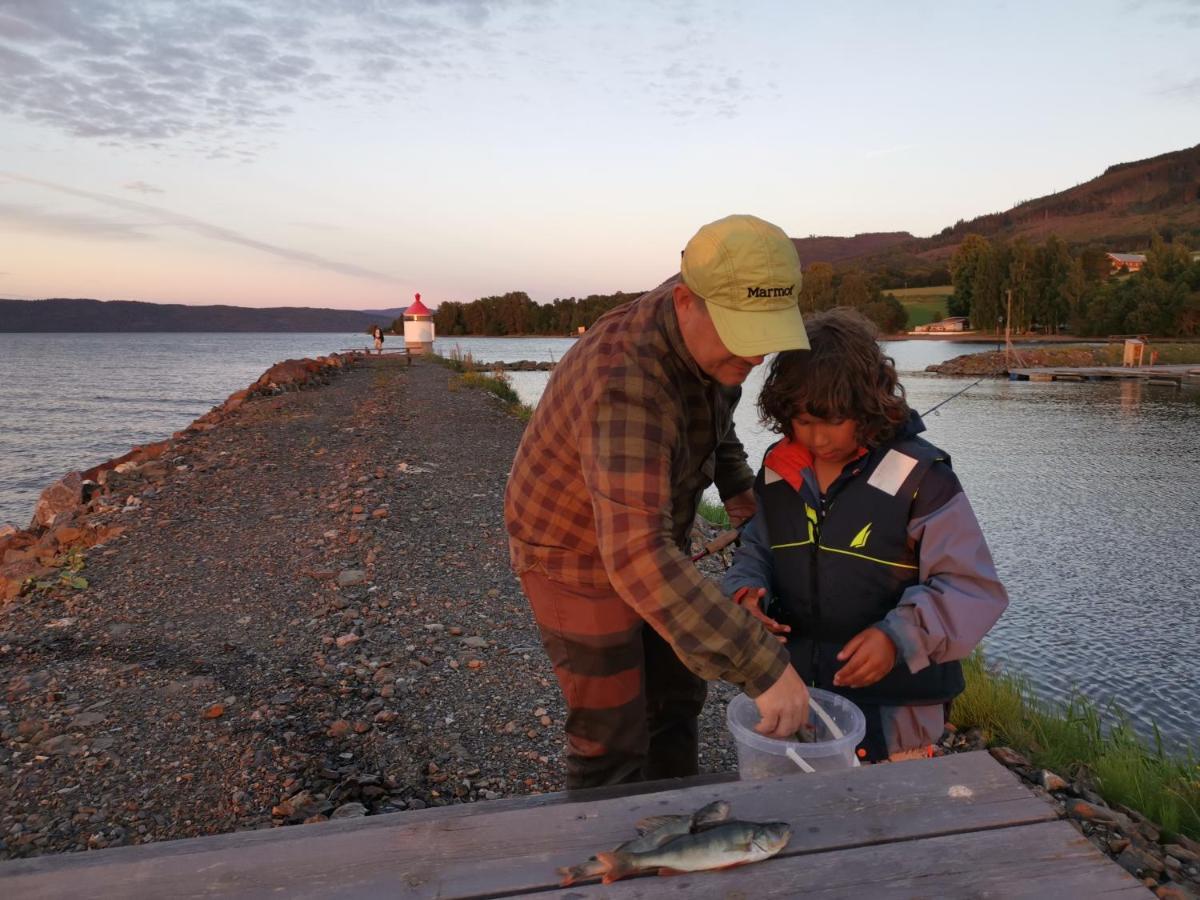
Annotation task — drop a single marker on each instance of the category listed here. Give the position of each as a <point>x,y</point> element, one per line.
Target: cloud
<point>687,88</point>
<point>142,188</point>
<point>1183,14</point>
<point>33,218</point>
<point>158,216</point>
<point>1175,13</point>
<point>1188,89</point>
<point>133,71</point>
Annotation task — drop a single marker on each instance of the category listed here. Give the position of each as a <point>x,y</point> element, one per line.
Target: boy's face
<point>830,440</point>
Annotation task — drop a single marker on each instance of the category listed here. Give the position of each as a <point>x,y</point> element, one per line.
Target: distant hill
<point>1118,209</point>
<point>385,315</point>
<point>127,315</point>
<point>835,249</point>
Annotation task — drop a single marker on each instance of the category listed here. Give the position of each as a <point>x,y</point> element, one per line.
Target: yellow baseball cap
<point>748,273</point>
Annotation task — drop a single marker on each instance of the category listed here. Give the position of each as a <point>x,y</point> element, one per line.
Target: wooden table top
<point>956,826</point>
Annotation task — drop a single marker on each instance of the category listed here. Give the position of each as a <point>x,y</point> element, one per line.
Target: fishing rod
<point>720,542</point>
<point>951,397</point>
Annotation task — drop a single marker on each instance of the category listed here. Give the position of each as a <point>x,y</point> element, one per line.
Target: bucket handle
<point>799,760</point>
<point>826,718</point>
<point>833,730</point>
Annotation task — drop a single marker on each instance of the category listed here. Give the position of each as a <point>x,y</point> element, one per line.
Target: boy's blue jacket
<point>893,544</point>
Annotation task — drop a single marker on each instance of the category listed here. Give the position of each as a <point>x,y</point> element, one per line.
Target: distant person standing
<point>377,333</point>
<point>634,424</point>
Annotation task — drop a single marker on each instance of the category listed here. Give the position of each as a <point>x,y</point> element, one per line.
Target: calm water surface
<point>1088,493</point>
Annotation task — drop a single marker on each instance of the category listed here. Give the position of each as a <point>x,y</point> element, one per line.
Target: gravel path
<point>311,614</point>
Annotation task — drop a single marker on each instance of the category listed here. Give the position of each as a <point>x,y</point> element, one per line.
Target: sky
<point>348,153</point>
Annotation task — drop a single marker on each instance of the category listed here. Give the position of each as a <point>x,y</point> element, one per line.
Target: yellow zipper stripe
<point>870,558</point>
<point>796,544</point>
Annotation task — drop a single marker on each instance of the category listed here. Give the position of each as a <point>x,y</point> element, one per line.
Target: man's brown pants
<point>632,705</point>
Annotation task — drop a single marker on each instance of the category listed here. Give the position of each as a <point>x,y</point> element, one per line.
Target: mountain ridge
<point>1118,208</point>
<point>80,314</point>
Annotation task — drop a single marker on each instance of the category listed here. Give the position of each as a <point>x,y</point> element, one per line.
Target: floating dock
<point>1177,375</point>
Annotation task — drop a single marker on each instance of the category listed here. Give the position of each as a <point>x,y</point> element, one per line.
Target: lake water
<point>1088,493</point>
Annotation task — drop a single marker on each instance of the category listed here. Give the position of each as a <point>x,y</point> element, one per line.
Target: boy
<point>865,547</point>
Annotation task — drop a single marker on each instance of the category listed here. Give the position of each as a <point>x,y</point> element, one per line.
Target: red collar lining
<point>788,460</point>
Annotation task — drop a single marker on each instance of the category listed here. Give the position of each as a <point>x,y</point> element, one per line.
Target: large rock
<point>234,400</point>
<point>289,373</point>
<point>12,582</point>
<point>59,501</point>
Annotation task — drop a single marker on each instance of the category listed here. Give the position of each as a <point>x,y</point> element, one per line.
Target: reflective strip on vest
<point>883,562</point>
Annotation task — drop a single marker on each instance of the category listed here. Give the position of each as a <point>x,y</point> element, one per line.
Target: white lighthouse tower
<point>418,327</point>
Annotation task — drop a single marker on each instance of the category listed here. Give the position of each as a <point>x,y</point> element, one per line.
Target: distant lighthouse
<point>418,327</point>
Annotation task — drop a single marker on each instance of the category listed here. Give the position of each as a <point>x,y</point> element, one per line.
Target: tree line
<point>823,288</point>
<point>1053,290</point>
<point>515,313</point>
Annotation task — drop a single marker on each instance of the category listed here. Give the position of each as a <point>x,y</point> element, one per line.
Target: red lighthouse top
<point>417,308</point>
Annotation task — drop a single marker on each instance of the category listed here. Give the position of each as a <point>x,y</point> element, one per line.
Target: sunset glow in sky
<point>346,153</point>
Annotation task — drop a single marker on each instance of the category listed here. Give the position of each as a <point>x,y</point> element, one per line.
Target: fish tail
<point>582,872</point>
<point>616,865</point>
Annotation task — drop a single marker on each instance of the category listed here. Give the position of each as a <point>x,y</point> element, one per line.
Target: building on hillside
<point>418,327</point>
<point>951,323</point>
<point>1130,262</point>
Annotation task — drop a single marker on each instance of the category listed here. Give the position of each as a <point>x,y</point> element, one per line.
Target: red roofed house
<point>1130,262</point>
<point>418,327</point>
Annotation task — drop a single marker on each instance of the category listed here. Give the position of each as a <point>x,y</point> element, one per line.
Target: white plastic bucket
<point>764,757</point>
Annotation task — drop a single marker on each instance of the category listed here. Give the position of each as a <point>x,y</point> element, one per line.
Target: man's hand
<point>783,707</point>
<point>871,655</point>
<point>749,598</point>
<point>741,507</point>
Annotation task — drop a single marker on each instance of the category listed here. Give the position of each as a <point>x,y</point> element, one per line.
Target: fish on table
<point>721,846</point>
<point>652,832</point>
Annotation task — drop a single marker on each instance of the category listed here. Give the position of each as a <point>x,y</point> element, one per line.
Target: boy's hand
<point>748,598</point>
<point>871,655</point>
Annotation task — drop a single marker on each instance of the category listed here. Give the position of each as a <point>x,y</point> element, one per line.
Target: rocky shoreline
<point>66,518</point>
<point>1169,865</point>
<point>995,363</point>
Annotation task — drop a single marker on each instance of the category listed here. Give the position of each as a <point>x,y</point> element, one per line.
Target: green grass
<point>457,361</point>
<point>713,513</point>
<point>1168,353</point>
<point>496,383</point>
<point>1078,739</point>
<point>924,304</point>
<point>942,290</point>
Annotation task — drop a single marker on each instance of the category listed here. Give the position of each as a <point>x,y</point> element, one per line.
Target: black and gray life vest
<point>841,568</point>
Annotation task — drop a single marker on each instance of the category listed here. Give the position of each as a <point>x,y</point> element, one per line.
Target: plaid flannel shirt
<point>606,482</point>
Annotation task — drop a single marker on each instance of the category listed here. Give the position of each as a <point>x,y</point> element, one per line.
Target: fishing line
<point>951,397</point>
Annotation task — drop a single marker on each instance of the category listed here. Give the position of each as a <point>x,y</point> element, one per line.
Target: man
<point>636,421</point>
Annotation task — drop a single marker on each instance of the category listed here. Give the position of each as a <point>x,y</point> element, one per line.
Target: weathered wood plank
<point>263,838</point>
<point>1048,859</point>
<point>506,851</point>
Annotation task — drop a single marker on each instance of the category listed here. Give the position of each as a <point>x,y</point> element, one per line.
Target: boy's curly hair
<point>844,376</point>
